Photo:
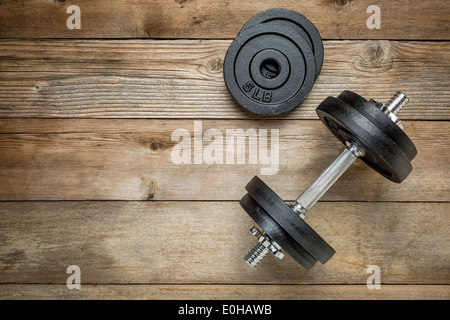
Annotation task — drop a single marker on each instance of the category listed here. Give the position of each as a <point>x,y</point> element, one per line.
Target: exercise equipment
<point>370,131</point>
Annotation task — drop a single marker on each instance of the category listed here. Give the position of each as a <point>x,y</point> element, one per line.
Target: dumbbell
<point>370,131</point>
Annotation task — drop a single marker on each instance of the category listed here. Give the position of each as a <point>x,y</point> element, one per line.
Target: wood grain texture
<point>340,19</point>
<point>73,159</point>
<point>204,243</point>
<point>224,292</point>
<point>69,131</point>
<point>184,79</point>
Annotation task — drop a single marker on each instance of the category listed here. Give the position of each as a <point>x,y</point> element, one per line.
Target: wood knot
<point>375,55</point>
<point>181,3</point>
<point>151,188</point>
<point>196,20</point>
<point>152,144</point>
<point>156,146</point>
<point>214,65</point>
<point>341,2</point>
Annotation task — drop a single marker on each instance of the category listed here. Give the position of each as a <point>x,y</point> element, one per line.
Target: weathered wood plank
<point>205,242</point>
<point>184,79</point>
<point>205,19</point>
<point>44,159</point>
<point>224,292</point>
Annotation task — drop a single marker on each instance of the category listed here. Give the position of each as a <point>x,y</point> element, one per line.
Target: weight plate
<point>381,153</point>
<point>297,22</point>
<point>276,233</point>
<point>269,70</point>
<point>381,120</point>
<point>295,226</point>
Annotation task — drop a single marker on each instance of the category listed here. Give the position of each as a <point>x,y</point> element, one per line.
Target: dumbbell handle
<point>326,179</point>
<point>329,176</point>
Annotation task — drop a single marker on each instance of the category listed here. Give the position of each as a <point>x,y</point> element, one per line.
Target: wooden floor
<point>87,178</point>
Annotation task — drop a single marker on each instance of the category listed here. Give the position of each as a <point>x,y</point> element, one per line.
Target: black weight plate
<point>276,233</point>
<point>300,23</point>
<point>287,24</point>
<point>295,226</point>
<point>269,70</point>
<point>381,120</point>
<point>381,153</point>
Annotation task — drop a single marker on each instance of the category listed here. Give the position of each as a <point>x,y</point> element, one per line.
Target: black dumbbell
<point>272,64</point>
<point>371,131</point>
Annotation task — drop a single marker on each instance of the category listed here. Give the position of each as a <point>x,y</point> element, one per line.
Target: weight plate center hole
<point>270,68</point>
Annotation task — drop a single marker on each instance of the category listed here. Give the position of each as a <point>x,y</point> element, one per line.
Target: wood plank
<point>71,159</point>
<point>184,79</point>
<point>225,292</point>
<point>340,19</point>
<point>205,242</point>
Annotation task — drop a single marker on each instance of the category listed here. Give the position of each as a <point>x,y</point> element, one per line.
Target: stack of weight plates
<point>272,64</point>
